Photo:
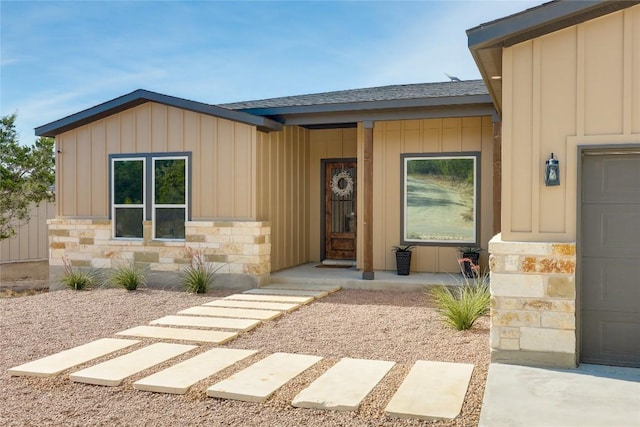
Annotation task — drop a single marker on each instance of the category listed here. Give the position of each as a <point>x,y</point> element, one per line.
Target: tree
<point>26,176</point>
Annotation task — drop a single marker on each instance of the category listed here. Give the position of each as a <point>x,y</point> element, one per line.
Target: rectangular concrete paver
<point>114,371</point>
<point>197,335</point>
<point>269,298</point>
<point>56,363</point>
<point>287,292</point>
<point>208,322</point>
<point>241,313</point>
<point>304,287</point>
<point>256,305</point>
<point>344,386</point>
<point>178,378</point>
<point>431,391</point>
<point>260,380</point>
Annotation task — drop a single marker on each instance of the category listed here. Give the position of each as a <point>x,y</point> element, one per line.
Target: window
<point>440,196</point>
<point>150,187</point>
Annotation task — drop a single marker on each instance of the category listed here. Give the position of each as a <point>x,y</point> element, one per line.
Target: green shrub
<point>128,276</point>
<point>77,279</point>
<point>461,306</point>
<point>198,275</point>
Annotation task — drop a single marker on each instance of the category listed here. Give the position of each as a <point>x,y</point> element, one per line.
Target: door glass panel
<point>343,186</point>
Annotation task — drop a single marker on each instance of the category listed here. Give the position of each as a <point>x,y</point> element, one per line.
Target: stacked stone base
<point>239,251</point>
<point>533,308</point>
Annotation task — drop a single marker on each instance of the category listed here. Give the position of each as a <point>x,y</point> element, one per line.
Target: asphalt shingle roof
<point>381,93</point>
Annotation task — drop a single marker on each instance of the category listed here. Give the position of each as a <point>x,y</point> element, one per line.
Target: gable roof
<point>376,103</point>
<point>487,40</point>
<point>141,96</point>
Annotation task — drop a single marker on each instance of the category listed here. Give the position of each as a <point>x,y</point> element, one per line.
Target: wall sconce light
<point>552,172</point>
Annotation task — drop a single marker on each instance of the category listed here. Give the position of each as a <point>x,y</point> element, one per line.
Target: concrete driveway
<point>591,395</point>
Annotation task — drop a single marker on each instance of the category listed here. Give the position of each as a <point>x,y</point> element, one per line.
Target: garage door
<point>610,262</point>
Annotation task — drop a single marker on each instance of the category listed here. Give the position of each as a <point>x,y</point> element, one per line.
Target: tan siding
<point>390,140</point>
<point>577,86</point>
<point>32,240</point>
<point>282,168</point>
<point>223,156</point>
<point>632,53</point>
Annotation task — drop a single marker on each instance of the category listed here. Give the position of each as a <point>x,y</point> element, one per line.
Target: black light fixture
<point>552,172</point>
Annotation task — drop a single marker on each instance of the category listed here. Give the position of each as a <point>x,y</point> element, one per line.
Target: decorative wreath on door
<point>342,184</point>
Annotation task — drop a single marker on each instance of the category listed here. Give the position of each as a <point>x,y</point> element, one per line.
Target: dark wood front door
<point>340,210</point>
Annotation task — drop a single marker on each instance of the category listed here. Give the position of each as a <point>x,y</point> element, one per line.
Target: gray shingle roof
<point>382,93</point>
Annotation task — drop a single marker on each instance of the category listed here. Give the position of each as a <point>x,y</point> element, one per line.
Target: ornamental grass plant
<point>198,275</point>
<point>128,276</point>
<point>77,279</point>
<point>462,305</point>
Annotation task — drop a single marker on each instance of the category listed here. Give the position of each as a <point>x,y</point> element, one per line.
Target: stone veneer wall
<point>533,303</point>
<point>240,249</point>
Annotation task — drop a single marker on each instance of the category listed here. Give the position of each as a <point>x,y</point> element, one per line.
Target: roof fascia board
<point>328,118</point>
<point>141,96</point>
<point>540,20</point>
<point>371,105</point>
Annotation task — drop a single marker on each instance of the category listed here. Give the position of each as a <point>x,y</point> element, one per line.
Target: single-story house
<point>261,186</point>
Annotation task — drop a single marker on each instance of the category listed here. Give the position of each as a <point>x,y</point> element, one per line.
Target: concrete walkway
<point>342,387</point>
<point>591,395</point>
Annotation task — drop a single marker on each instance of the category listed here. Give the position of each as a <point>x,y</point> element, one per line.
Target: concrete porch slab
<point>431,391</point>
<point>113,372</point>
<point>591,395</point>
<point>260,380</point>
<point>196,335</point>
<point>287,292</point>
<point>343,386</point>
<point>269,298</point>
<point>239,313</point>
<point>257,305</point>
<point>208,322</point>
<point>304,286</point>
<point>178,378</point>
<point>56,363</point>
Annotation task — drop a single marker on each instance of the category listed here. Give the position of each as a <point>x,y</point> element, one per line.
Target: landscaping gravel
<point>396,326</point>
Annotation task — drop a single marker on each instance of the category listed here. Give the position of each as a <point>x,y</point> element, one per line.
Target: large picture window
<point>150,187</point>
<point>440,196</point>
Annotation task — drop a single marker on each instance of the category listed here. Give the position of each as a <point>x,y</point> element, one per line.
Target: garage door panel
<point>613,230</point>
<point>610,284</point>
<point>610,259</point>
<point>614,179</point>
<point>617,338</point>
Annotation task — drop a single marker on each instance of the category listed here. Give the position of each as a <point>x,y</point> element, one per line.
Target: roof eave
<point>486,41</point>
<point>370,105</point>
<point>141,96</point>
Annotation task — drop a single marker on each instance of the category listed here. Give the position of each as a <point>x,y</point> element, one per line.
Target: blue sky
<point>60,57</point>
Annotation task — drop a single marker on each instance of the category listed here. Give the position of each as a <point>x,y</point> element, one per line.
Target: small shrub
<point>77,279</point>
<point>128,276</point>
<point>197,276</point>
<point>462,306</point>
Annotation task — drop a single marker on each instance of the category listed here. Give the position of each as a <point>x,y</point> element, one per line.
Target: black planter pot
<point>470,259</point>
<point>403,262</point>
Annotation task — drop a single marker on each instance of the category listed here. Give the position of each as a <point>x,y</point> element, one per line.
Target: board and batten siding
<point>31,242</point>
<point>282,193</point>
<point>576,86</point>
<point>393,138</point>
<point>223,178</point>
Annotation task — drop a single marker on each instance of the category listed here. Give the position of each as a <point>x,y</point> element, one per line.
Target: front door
<point>340,210</point>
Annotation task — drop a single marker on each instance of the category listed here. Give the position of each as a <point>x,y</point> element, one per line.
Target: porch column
<point>497,175</point>
<point>367,198</point>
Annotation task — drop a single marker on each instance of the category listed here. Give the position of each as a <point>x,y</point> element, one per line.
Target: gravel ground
<point>397,326</point>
